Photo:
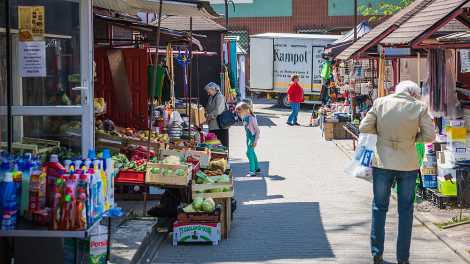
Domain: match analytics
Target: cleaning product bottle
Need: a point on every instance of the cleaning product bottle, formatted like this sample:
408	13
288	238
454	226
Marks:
68	215
67	164
7	190
18	181
97	192
109	176
81	217
92	154
25	187
105	185
87	164
73	183
9	215
56	211
53	171
4	169
77	163
98	163
71	170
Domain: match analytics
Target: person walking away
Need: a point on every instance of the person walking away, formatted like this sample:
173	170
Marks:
252	136
399	121
216	106
296	96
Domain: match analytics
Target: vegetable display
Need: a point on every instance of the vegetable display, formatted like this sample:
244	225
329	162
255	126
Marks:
208	205
214	173
224	178
197	203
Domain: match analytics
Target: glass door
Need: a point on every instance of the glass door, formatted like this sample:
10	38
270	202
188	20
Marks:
51	73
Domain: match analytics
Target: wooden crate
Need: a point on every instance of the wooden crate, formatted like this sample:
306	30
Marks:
171	150
200	187
193	144
109	142
135	142
172	179
49	145
226	218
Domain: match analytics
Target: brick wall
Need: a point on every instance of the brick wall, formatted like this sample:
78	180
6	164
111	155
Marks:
304	12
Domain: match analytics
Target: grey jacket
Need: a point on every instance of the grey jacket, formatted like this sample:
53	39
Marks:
215	106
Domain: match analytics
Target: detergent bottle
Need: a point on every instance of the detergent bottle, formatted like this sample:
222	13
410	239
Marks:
98	193
4	168
18	181
9	215
77	163
73	183
56	211
53	171
67	164
109	176
68	214
25	187
7	190
81	216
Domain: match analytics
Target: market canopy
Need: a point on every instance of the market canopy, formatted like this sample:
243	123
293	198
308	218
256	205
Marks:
188	8
382	30
346	41
183	23
426	22
456	38
166	35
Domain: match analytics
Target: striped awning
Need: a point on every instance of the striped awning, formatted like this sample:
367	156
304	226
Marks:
188	8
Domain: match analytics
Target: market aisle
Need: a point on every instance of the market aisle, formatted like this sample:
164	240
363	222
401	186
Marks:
302	207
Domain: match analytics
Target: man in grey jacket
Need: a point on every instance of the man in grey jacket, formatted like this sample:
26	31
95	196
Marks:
399	121
216	106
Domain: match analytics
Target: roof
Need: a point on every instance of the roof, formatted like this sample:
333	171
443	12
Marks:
296	36
382	30
182	23
362	29
189	8
433	16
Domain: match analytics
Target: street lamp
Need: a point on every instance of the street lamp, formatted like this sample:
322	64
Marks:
226	11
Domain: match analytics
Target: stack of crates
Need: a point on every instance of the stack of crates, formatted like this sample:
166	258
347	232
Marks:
456	138
429	173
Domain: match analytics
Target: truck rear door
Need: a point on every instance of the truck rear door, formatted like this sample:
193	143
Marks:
261	63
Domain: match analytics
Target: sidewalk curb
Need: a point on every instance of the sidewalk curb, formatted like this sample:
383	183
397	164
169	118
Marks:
449	242
151	251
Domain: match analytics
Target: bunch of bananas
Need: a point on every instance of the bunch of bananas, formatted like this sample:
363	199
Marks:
100	105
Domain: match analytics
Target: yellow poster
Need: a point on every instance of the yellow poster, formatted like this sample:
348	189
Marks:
31	23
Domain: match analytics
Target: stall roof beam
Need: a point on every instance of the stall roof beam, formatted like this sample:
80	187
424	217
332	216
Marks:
188	8
425	23
381	31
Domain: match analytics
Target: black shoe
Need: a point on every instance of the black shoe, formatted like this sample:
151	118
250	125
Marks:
404	262
258	170
290	124
296	124
378	260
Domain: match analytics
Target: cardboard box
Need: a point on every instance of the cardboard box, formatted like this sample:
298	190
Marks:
441	158
328	130
194	115
37	190
203	157
196	217
196	232
94	249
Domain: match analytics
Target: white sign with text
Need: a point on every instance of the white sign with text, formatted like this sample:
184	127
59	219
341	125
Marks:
32	59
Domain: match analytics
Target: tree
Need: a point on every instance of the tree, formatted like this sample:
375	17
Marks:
383	9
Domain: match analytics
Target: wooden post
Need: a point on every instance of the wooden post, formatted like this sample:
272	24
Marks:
355	20
151	99
190	85
419	69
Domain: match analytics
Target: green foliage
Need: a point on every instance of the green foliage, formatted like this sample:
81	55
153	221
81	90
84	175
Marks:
456	219
62	153
383	9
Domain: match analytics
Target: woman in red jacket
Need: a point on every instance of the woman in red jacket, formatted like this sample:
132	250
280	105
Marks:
296	96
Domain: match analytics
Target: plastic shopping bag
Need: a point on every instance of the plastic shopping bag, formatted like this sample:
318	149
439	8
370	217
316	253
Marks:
360	166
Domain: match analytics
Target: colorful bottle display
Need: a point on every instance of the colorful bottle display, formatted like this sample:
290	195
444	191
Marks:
81	217
109	176
7	195
9	215
56	211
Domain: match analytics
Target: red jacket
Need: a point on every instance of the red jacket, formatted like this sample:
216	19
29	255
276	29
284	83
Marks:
296	93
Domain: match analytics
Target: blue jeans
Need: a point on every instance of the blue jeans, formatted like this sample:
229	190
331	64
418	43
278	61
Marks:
295	112
383	180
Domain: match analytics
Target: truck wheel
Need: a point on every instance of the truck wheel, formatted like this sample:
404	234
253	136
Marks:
283	101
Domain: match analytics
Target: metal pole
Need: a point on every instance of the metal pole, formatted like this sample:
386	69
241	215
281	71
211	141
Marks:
355	20
190	72
197	76
9	78
226	14
151	100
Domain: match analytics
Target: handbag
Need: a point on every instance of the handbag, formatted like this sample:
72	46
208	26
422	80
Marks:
226	119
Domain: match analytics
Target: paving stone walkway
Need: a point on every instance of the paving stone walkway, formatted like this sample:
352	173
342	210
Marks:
302	208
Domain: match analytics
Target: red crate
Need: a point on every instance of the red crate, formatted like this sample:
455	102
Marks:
130	176
196	165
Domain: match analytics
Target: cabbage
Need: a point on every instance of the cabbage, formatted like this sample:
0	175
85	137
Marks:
189	209
208	180
209	205
197	203
224	178
174	160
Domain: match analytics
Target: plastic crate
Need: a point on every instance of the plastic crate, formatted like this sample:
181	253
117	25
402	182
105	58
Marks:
447	187
130	176
430	181
196	165
456	133
438	199
429	171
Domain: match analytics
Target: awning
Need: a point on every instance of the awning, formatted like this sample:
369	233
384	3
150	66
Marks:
459	37
425	23
188	8
166	35
362	29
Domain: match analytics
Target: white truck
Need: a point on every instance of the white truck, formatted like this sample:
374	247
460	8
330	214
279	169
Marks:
274	57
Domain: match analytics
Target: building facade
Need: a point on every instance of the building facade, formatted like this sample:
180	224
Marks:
253	17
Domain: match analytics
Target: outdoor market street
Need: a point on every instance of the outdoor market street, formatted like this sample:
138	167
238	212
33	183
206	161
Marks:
301	207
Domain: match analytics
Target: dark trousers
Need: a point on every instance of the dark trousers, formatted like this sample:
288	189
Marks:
222	135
